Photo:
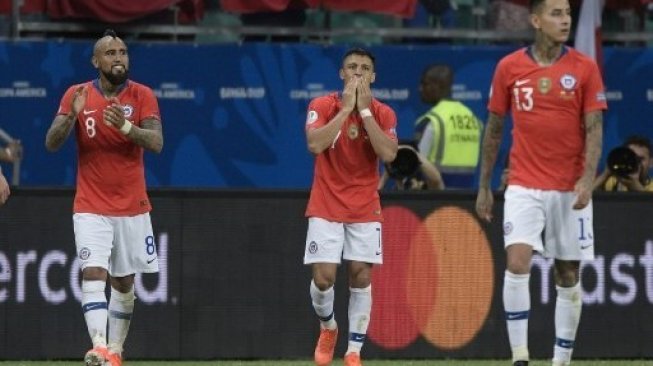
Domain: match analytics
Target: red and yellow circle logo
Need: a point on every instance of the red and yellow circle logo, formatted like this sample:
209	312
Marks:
437	279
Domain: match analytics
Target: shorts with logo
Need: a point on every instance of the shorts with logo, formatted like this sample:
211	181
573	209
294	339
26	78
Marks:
568	233
329	242
123	245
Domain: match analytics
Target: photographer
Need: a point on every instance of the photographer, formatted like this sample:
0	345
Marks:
411	171
627	168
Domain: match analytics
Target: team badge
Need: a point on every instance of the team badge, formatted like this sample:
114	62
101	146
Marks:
568	82
128	109
544	85
84	253
312	247
311	117
352	132
507	228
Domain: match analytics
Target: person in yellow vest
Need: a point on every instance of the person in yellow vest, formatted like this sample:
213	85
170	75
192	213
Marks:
637	180
449	134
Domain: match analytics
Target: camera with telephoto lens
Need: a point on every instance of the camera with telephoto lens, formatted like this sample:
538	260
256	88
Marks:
405	164
623	162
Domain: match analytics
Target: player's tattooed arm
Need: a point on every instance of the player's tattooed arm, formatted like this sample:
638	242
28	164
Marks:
149	136
59	131
593	142
490	148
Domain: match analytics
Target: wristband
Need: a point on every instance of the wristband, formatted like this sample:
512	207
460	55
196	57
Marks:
126	127
365	113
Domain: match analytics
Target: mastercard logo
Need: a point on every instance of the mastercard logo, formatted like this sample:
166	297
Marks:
436	281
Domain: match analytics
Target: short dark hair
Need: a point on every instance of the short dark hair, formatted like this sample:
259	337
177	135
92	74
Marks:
110	33
360	52
639	140
535	5
440	72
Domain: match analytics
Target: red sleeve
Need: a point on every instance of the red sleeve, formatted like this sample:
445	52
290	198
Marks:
499	101
593	90
318	113
387	120
149	105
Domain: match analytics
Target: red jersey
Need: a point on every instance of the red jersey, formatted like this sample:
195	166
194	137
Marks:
547	104
347	173
110	171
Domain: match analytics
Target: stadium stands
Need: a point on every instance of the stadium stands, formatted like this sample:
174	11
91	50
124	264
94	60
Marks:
323	21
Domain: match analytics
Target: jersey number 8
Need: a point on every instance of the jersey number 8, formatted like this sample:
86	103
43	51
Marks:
90	126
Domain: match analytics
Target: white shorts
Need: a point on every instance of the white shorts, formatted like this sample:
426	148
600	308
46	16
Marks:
123	245
328	242
568	233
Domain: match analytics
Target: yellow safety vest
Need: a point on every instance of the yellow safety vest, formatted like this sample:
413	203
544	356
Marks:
456	137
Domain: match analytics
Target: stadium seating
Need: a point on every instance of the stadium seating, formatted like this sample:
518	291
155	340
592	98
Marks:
625	22
227	22
359	21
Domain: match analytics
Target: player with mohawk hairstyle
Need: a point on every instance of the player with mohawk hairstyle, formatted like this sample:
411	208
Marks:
115	119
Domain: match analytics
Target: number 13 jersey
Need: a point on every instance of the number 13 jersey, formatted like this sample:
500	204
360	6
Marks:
547	104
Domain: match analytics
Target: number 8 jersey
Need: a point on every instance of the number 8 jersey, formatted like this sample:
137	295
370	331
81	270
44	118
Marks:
547	104
110	171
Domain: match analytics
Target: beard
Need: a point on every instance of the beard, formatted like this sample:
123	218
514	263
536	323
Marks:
116	79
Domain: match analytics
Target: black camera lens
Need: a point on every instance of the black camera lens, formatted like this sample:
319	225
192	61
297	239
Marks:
405	164
622	161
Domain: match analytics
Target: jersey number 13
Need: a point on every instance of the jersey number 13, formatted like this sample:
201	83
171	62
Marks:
523	98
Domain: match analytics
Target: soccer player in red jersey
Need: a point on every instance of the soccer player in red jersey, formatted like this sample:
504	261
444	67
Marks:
348	133
556	98
114	119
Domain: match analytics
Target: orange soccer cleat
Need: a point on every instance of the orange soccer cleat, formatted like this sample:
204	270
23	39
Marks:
115	359
96	356
353	359
325	346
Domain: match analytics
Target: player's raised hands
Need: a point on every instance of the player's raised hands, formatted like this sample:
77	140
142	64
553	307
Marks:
349	95
79	100
114	114
364	98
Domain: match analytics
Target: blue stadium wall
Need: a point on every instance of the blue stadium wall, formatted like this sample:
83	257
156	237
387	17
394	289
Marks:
232	284
234	114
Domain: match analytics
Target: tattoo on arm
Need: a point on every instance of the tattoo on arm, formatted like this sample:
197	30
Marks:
593	142
149	136
490	148
59	131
